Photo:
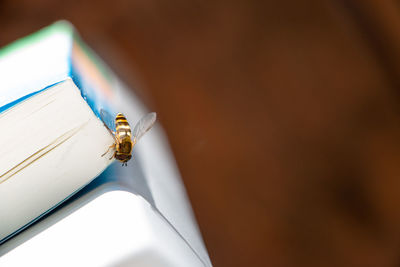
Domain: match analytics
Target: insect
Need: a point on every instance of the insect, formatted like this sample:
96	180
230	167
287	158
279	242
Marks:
125	140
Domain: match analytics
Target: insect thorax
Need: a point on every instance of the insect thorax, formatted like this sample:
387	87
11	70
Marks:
124	146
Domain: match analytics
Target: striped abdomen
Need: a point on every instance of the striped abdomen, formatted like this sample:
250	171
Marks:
123	135
121	125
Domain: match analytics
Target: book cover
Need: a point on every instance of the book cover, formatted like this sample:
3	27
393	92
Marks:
45	61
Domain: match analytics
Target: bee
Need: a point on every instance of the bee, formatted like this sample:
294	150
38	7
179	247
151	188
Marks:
124	138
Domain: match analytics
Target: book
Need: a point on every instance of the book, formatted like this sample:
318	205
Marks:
52	91
105	224
135	215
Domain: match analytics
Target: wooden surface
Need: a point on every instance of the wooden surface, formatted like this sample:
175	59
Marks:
283	116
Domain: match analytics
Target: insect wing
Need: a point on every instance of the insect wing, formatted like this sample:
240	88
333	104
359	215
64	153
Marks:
107	119
144	125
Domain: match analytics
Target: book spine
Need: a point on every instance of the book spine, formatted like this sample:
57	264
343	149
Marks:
93	78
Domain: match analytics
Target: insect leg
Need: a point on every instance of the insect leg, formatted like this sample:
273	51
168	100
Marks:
113	155
112	146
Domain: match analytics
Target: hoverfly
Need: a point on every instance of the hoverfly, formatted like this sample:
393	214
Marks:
125	140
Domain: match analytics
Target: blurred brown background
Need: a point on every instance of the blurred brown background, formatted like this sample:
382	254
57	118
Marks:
283	116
